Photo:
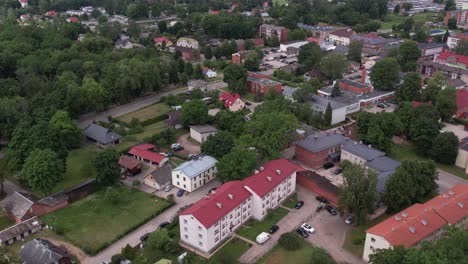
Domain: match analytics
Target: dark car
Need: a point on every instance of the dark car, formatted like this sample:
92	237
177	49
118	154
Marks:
248	103
163	224
328	165
273	229
338	171
321	199
144	237
299	204
180	193
302	232
331	209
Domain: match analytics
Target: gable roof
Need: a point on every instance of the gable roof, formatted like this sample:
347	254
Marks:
343	33
452	205
143	151
101	134
459	58
41	251
161	40
162	175
20	228
270	176
174	118
19	203
196	165
384	163
128	162
364	151
316	143
202	129
209	210
229	98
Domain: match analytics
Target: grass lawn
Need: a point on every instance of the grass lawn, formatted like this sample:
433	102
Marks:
253	228
279	2
176	160
5	221
279	255
291	201
404	152
358	236
103	217
393	19
146	113
232	250
148	131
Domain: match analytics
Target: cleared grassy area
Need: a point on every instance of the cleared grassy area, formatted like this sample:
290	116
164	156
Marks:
404	152
103	217
279	2
148	131
232	250
146	113
253	228
356	236
291	201
393	19
5	221
279	255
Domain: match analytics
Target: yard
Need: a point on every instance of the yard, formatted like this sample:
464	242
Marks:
291	201
5	221
148	131
105	216
404	152
393	19
146	113
231	251
279	255
279	2
253	228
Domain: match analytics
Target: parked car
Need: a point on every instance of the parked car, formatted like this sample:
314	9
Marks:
320	207
163	224
263	237
349	220
382	105
166	154
248	103
321	199
331	209
338	171
168	188
308	228
302	232
273	229
175	145
328	165
180	193
299	204
144	237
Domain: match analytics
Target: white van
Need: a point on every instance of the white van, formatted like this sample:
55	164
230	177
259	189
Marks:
263	237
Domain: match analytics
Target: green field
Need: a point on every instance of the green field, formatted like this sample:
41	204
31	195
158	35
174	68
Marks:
101	218
5	221
279	255
146	113
291	201
133	139
79	167
252	228
393	19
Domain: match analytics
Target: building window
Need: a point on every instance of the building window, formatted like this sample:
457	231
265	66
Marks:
372	248
185	187
178	183
200	243
186	229
185	221
200	236
216	239
186	236
372	239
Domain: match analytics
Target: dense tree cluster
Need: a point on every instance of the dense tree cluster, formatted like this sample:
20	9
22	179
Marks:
378	129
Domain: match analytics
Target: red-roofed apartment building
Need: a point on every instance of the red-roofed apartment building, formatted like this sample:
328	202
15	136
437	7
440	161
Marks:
143	152
420	222
232	101
211	220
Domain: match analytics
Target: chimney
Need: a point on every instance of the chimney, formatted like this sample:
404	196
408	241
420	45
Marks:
315	137
278	171
370	146
424	222
360	142
261	168
231	196
256	172
213	192
269	178
363	75
219	205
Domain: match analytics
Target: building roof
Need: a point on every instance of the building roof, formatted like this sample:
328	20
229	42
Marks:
315	28
415	104
363	151
262	81
19	203
452	205
288	90
144	151
461	35
343	33
463	144
462	100
270	175
203	129
161	40
323	102
430	45
196	165
101	134
382	179
174	118
128	162
54	199
162	175
316	143
459	58
229	98
354	84
441	66
410	226
21	228
384	163
39	251
321	181
212	208
272	27
370	38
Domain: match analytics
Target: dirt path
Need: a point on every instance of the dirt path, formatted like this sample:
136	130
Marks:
189	147
73	250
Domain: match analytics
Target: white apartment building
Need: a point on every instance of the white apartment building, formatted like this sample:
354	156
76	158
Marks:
462	4
341	36
211	220
121	19
194	173
187	43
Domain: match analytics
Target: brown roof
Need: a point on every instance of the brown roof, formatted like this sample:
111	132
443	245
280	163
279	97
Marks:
344	32
128	162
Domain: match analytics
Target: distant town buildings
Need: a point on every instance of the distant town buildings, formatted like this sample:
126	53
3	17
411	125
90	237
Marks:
271	31
187	43
341	36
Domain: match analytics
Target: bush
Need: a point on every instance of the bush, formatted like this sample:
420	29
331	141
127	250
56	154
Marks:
154	120
136	183
290	241
359	240
170	198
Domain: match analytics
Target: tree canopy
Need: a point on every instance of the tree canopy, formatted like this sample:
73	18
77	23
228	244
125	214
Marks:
107	167
194	112
385	74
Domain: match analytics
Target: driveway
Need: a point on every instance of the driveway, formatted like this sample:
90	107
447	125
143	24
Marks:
447	181
133	239
458	130
189	146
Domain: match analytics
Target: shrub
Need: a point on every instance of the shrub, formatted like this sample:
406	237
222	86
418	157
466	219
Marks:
290	241
170	198
359	240
154	120
136	183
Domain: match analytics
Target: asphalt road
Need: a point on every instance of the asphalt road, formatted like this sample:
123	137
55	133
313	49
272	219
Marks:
447	181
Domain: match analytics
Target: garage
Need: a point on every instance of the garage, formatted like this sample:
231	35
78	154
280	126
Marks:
319	185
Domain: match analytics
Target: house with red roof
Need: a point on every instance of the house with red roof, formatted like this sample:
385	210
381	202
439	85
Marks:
452	59
72	20
23	3
420	222
129	165
212	220
232	101
145	153
462	104
158	42
51	13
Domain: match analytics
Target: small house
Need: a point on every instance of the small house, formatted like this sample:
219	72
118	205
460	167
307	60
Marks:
173	120
145	153
209	73
201	133
129	165
103	137
41	251
20	231
158	42
232	101
159	178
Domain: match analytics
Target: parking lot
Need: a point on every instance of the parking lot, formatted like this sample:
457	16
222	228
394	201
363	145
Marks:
336	179
375	109
277	59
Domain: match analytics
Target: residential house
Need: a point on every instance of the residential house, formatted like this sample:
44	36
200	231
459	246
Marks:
271	31
261	84
452	59
314	73
292	44
201	133
431	49
73	20
91	24
75	12
316	150
194	173
341	36
51	13
158	42
145	153
209	73
121	19
290	68
20	231
372	41
101	136
159	178
25	17
201	85
232	101
214	218
123	44
454	39
173	120
462	104
288	92
42	251
461	17
187	43
129	166
462	157
320	104
240	57
188	54
420	222
453	66
319	32
21	206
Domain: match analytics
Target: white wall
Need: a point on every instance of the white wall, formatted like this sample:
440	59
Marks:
182	181
338	115
374	242
346	155
284	47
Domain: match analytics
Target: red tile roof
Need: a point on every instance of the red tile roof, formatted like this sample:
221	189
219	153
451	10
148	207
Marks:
161	40
128	162
410	226
460	58
415	104
343	33
210	210
144	152
24	1
270	175
462	36
73	20
462	103
51	13
311	39
452	205
229	98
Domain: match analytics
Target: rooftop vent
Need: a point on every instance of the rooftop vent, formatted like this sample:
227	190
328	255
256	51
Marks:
213	192
257	172
231	196
219	205
269	178
412	229
278	171
370	146
445	195
261	168
424	222
207	197
355	143
460	204
404	214
397	218
315	136
451	192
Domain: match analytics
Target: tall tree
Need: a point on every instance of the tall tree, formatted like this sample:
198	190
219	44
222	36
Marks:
445	148
69	133
355	51
434	86
107	167
446	103
334	65
219	144
328	115
385	74
424	127
408	55
194	112
236	165
462	47
309	56
450	5
411	87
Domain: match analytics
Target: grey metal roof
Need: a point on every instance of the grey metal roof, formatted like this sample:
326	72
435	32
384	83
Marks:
41	251
322	101
18	204
383	164
163	175
288	90
21	228
322	142
430	45
101	134
197	165
204	129
362	150
382	179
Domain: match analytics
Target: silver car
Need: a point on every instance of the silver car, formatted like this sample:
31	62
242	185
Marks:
168	188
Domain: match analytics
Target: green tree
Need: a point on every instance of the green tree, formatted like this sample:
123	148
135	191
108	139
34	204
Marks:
450	5
42	170
412	182
462	47
376	137
434	86
446	103
385	74
290	241
309	56
396	9
234	73
69	133
424	127
236	165
411	87
358	193
394	255
409	53
107	167
162	26
334	65
407	6
452	23
219	144
355	51
252	63
336	91
159	243
231	121
194	112
197	72
327	117
445	148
